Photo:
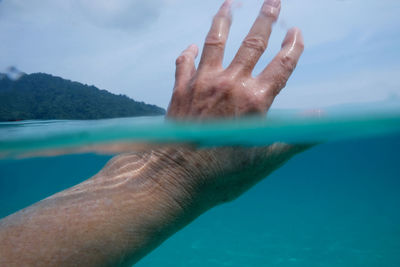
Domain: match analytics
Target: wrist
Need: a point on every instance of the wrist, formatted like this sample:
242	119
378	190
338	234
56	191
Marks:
182	175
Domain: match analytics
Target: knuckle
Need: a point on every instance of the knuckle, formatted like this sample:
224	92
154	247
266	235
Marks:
206	89
270	12
215	40
178	60
288	63
182	58
256	103
252	104
255	42
225	82
198	84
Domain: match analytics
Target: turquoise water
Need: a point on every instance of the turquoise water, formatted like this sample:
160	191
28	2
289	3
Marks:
32	138
337	204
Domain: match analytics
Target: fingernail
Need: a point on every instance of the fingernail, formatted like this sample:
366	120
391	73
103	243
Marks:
228	2
194	48
226	6
273	3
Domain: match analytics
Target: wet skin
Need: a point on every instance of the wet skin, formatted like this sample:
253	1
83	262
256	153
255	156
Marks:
139	199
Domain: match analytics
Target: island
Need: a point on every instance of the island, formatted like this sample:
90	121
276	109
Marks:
40	96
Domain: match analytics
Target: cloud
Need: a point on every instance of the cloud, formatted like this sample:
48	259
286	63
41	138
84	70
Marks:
119	14
122	14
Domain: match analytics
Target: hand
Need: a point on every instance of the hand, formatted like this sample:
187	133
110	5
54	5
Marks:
212	92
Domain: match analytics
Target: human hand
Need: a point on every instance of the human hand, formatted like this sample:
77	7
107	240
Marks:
212	91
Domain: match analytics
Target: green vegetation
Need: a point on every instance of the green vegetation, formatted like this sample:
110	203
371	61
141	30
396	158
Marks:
42	96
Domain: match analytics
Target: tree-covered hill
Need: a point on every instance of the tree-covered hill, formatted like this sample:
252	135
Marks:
42	96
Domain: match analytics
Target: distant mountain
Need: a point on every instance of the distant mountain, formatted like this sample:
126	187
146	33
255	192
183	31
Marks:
41	96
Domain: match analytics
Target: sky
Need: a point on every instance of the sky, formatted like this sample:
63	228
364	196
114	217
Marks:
129	47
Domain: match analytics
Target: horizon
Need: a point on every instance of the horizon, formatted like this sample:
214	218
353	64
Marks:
392	102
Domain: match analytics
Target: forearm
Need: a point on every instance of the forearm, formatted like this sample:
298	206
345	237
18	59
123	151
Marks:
118	216
132	205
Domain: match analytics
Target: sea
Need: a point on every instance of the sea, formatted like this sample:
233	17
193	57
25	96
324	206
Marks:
336	204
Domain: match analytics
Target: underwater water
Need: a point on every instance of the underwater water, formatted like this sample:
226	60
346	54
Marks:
337	204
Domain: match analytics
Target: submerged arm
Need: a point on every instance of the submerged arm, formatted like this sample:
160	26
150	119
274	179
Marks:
136	202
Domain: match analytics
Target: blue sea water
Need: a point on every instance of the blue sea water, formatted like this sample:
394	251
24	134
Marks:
337	204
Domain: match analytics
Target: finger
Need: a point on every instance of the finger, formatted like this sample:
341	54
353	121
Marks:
185	67
256	41
214	46
281	67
